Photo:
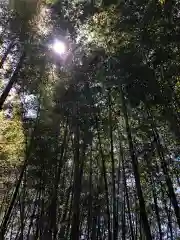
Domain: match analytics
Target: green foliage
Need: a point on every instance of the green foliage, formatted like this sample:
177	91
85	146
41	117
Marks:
101	30
51	1
12	144
101	159
25	10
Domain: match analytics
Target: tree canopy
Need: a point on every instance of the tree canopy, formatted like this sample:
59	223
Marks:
89	134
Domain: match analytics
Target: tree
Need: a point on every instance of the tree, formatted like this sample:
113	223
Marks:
102	151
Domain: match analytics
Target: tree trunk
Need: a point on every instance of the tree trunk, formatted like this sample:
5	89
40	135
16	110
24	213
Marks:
154	195
136	173
164	167
89	219
115	222
105	179
53	207
167	212
7	215
11	82
78	173
127	195
123	218
3	59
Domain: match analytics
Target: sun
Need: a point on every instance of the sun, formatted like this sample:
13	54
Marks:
59	47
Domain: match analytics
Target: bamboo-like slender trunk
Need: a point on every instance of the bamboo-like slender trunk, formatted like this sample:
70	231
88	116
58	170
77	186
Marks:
143	213
3	59
38	195
69	219
126	194
115	222
4	223
78	174
53	207
89	218
105	179
123	218
65	212
167	212
154	196
12	81
164	167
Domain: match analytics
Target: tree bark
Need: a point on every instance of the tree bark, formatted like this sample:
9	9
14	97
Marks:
115	222
105	179
143	213
11	82
164	167
3	59
78	173
127	195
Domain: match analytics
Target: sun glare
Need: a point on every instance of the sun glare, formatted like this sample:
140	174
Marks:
59	47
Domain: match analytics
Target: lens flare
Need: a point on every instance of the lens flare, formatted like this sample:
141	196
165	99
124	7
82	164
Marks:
59	47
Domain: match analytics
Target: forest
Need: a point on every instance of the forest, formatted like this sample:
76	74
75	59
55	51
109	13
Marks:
89	120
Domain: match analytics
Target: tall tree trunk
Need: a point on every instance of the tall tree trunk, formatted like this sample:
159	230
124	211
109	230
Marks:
105	179
61	234
126	193
53	206
99	227
123	218
3	59
143	213
154	196
94	224
164	167
89	219
156	209
7	215
11	82
136	217
115	222
22	207
119	190
69	218
78	173
37	198
76	197
167	212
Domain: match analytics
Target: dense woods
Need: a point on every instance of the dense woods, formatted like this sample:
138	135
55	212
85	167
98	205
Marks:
90	134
